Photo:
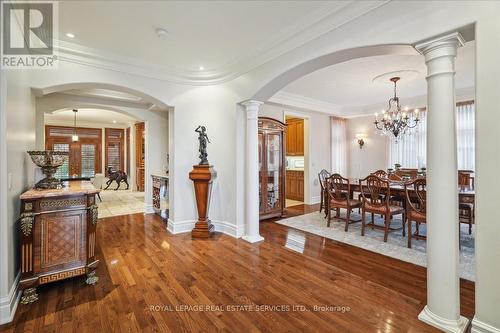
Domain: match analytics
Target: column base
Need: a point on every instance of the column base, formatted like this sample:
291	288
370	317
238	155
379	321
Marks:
253	239
446	325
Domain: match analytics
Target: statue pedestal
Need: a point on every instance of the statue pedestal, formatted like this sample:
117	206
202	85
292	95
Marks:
202	177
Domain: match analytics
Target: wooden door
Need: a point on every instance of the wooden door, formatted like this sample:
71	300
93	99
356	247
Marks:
114	148
299	138
291	141
84	155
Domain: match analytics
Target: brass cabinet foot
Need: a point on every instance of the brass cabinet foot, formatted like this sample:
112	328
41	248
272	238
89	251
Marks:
29	296
91	278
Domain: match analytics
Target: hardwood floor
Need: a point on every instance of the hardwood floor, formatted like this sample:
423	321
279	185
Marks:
145	272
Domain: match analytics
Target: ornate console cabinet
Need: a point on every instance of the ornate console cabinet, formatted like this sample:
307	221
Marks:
58	236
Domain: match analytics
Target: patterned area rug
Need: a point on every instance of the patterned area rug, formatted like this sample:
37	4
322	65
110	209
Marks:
396	246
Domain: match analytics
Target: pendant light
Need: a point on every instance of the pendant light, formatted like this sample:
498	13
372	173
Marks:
74	137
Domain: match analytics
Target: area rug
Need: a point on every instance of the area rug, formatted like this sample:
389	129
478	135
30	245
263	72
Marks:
396	246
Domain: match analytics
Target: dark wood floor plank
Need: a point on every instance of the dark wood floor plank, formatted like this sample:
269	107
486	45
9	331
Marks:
147	274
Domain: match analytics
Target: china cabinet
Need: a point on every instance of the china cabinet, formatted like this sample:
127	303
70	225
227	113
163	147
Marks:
271	167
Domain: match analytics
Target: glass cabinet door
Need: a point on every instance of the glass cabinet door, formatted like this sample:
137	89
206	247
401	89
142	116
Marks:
274	169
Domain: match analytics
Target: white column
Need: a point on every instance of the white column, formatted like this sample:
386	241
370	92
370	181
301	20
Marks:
252	173
443	283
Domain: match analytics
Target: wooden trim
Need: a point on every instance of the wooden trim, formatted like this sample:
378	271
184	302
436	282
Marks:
107	140
127	144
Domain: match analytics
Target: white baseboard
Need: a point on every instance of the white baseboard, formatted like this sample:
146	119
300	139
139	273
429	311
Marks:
445	325
315	200
188	225
148	209
8	304
480	327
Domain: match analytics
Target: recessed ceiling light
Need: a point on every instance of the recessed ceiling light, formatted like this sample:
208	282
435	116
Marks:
161	32
201	68
114	121
70	35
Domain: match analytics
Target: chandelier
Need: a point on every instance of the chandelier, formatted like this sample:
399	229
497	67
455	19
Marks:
393	120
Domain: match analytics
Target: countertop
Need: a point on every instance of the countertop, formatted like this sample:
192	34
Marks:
75	187
294	169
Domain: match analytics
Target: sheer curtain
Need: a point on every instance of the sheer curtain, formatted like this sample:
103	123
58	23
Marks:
339	145
466	145
410	151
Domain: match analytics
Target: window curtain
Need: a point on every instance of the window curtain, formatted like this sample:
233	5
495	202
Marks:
466	143
410	150
339	146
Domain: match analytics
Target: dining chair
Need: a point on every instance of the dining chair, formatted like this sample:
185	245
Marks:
323	175
416	207
466	210
396	199
379	173
376	193
339	190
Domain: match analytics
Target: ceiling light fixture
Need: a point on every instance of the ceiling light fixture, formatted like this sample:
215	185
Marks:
161	32
74	137
70	35
114	121
201	68
394	121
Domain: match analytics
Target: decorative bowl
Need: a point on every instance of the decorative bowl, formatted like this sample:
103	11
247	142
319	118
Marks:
48	161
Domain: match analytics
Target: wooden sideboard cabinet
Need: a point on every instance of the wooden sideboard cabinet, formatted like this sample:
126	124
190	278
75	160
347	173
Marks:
57	236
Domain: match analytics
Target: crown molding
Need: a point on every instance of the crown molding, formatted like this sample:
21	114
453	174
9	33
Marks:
303	102
325	20
310	104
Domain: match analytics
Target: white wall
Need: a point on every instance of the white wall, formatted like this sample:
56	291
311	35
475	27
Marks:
318	149
373	155
18	117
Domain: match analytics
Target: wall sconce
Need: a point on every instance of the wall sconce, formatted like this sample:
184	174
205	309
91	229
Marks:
361	139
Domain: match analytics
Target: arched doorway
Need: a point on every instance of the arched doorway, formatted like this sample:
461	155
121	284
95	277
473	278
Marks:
123	109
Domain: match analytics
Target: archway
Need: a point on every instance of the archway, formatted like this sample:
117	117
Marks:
124	101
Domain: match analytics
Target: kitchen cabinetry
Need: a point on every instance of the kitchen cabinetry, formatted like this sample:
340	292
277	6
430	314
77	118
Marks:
295	185
271	167
295	137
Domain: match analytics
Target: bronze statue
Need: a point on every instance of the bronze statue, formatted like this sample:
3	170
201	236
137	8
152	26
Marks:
203	139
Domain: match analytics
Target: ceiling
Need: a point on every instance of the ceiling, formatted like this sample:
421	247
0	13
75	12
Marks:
205	39
89	116
351	84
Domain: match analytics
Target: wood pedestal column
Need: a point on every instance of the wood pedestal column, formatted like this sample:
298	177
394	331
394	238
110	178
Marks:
202	177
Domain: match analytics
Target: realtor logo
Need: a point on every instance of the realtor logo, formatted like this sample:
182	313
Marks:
28	34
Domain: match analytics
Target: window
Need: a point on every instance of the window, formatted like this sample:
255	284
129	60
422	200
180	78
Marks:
88	160
411	152
63	170
114	148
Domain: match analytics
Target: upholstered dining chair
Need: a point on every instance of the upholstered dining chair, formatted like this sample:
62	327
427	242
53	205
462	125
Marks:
339	189
323	175
416	207
376	194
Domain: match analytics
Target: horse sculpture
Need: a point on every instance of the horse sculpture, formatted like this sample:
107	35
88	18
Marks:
117	176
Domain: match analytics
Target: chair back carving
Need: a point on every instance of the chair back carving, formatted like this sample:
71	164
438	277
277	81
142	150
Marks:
323	175
375	191
465	178
338	188
417	198
380	173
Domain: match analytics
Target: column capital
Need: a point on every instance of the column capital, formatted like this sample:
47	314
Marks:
440	46
252	108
